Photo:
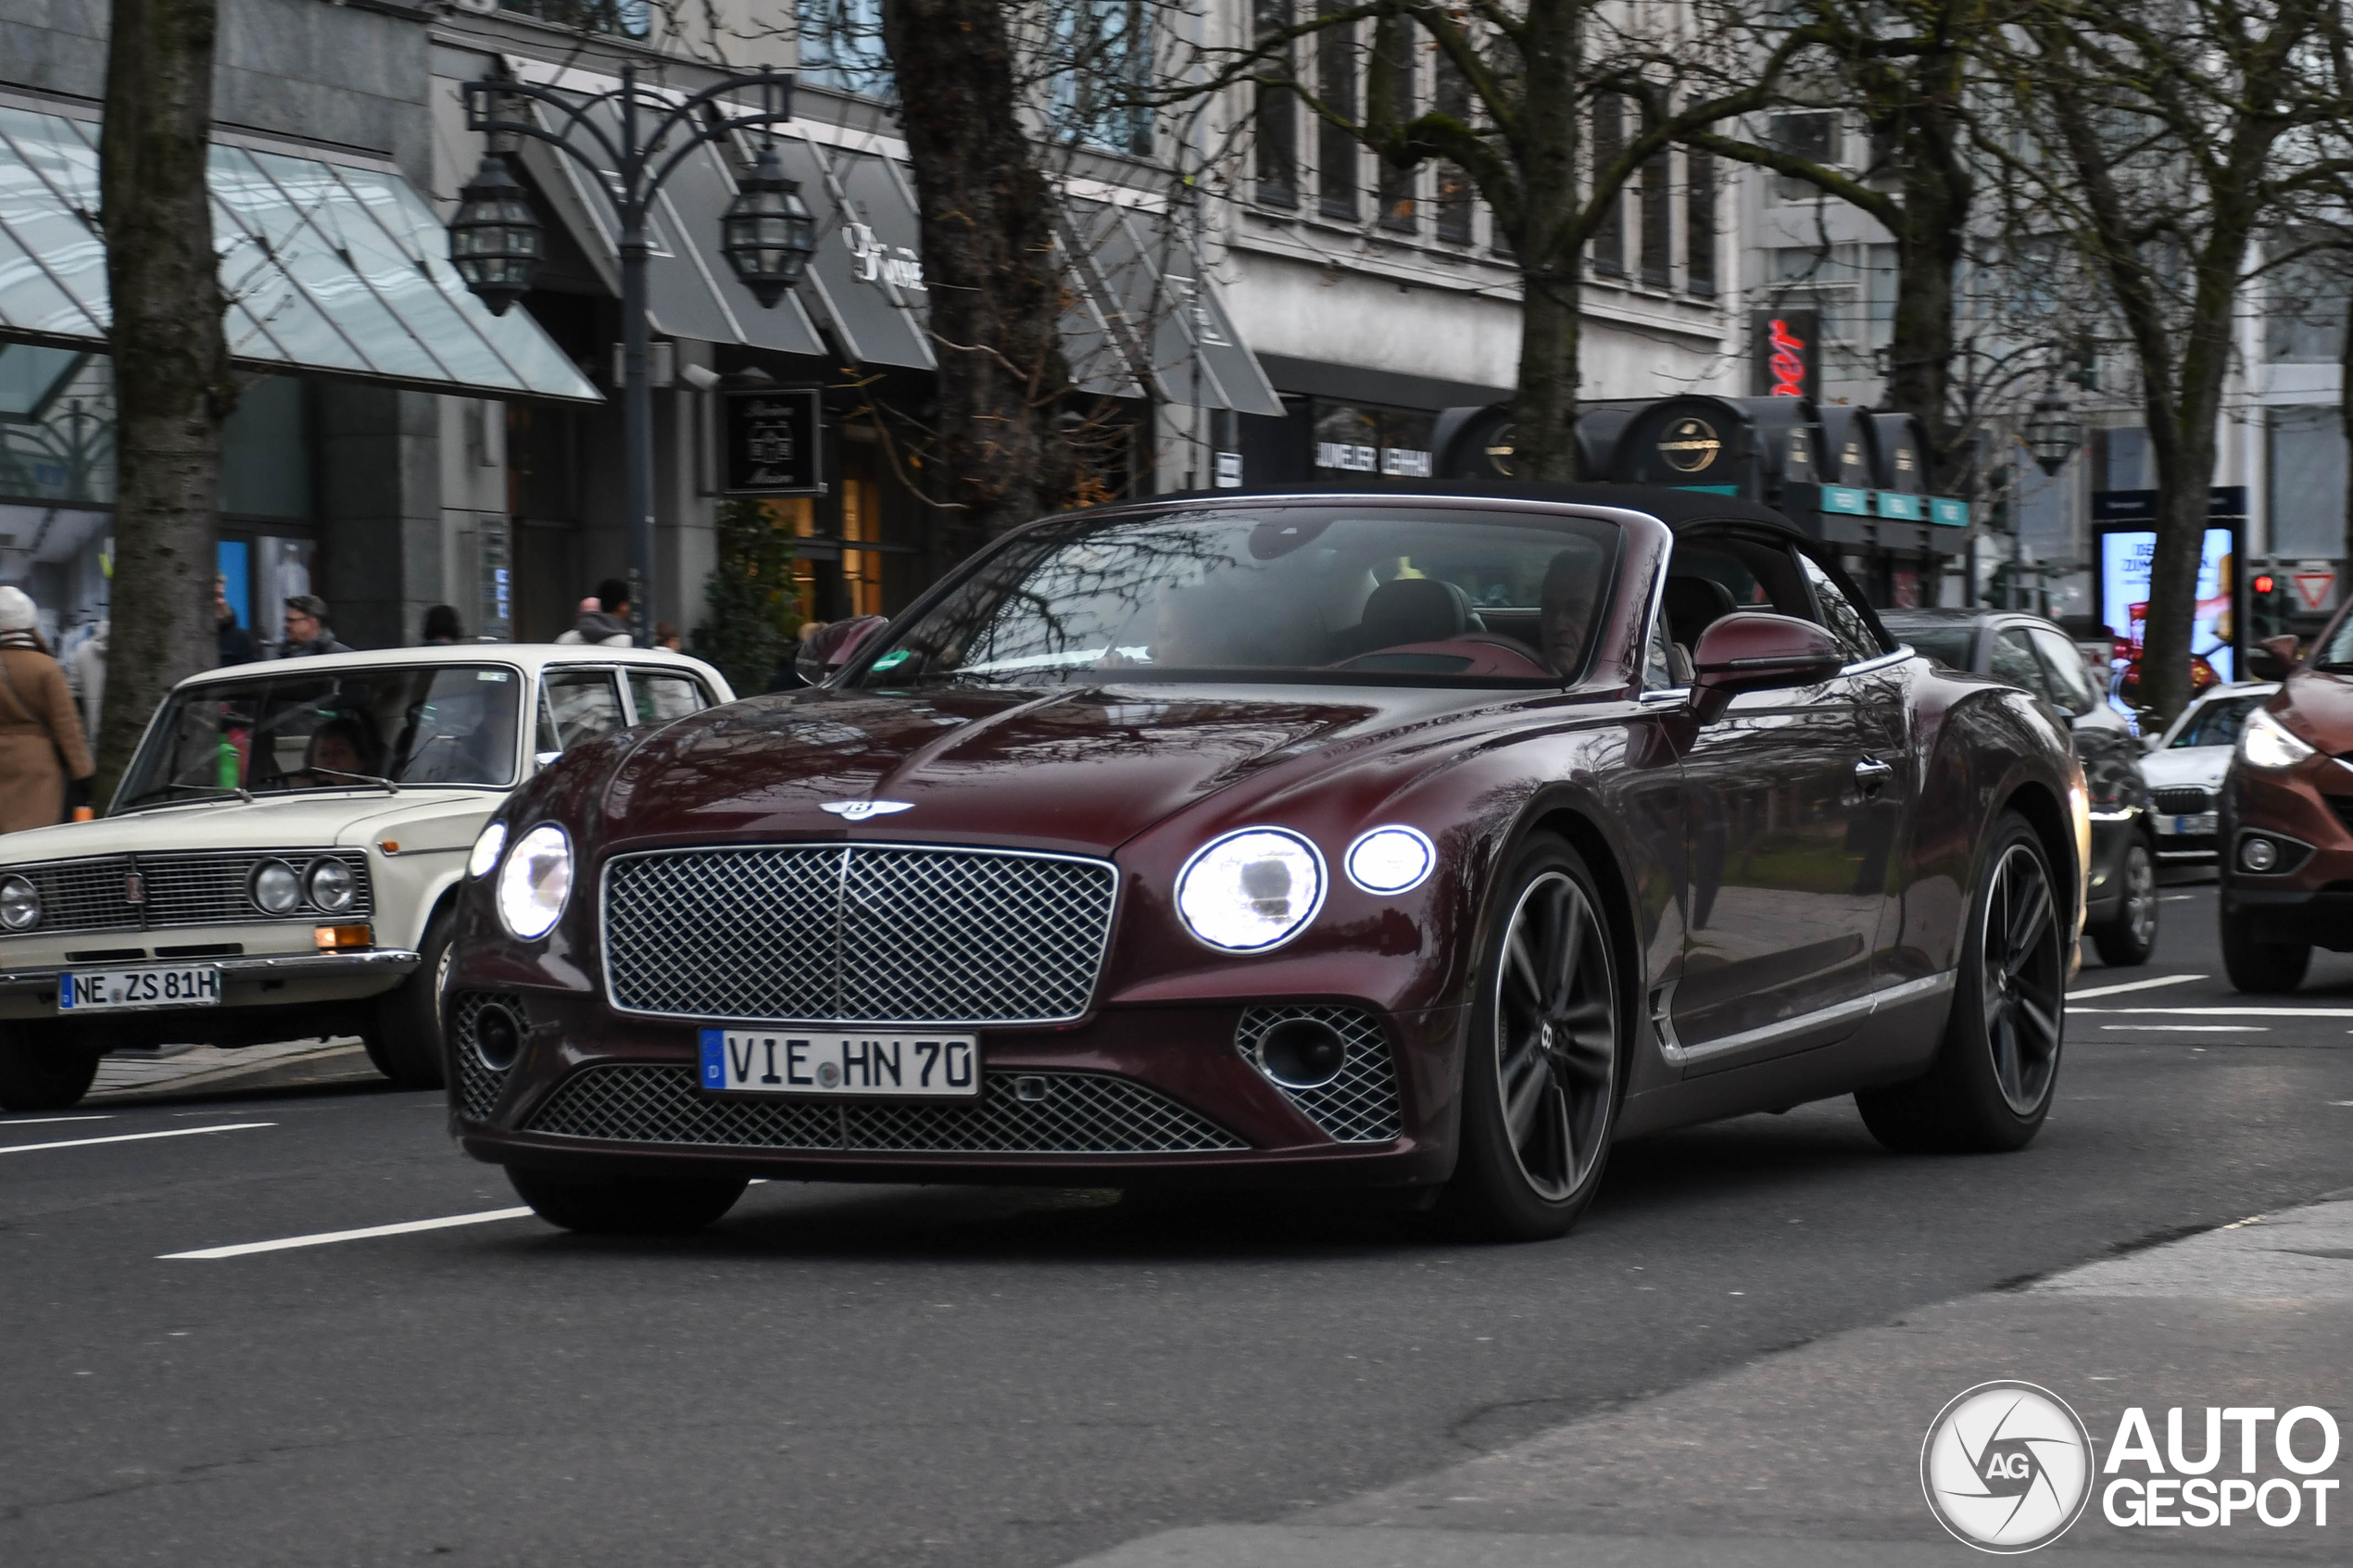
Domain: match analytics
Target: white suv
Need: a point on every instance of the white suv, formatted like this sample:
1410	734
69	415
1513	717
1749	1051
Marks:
281	858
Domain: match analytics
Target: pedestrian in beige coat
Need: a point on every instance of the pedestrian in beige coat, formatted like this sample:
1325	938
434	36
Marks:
41	742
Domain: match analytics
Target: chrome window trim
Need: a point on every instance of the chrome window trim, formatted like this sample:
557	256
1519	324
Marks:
1678	1054
1883	662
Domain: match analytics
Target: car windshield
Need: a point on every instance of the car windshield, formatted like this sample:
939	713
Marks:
305	729
1322	593
1948	645
2216	722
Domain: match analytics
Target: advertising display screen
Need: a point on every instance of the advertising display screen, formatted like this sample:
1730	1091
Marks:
2124	595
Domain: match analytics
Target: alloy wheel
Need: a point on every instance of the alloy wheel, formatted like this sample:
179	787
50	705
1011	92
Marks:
1556	1035
2140	898
2021	971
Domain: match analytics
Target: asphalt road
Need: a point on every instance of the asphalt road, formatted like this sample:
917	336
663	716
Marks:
840	1375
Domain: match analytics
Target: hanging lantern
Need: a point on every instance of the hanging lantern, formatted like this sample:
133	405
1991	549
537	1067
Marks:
493	240
2053	432
767	233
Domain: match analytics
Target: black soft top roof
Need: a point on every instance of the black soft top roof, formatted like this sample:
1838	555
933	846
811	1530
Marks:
1676	508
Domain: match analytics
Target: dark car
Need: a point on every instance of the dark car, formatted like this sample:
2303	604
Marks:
2286	816
1416	840
2032	654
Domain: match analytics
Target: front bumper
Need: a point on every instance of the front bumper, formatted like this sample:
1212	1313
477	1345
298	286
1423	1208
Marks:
2306	811
333	991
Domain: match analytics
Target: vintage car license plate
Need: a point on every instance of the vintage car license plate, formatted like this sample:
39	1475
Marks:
865	1065
189	986
2201	822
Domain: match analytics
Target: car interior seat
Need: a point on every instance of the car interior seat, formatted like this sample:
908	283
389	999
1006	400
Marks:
1413	609
1692	605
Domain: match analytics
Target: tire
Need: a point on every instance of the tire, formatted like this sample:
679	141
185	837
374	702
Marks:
2261	966
1544	1070
1997	1069
46	1075
2127	940
628	1206
406	1041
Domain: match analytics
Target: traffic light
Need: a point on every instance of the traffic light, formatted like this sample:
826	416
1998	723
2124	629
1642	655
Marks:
2270	602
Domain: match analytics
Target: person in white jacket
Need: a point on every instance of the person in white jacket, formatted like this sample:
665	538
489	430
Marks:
604	617
86	673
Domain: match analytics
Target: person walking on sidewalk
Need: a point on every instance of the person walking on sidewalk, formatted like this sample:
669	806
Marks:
307	630
234	643
86	676
604	619
44	762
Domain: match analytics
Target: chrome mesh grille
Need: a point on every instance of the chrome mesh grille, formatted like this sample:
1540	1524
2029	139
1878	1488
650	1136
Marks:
197	888
1359	1105
1069	1113
2183	800
84	895
478	1084
856	934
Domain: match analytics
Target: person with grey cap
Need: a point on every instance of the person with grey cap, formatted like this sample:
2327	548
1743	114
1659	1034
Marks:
44	761
307	630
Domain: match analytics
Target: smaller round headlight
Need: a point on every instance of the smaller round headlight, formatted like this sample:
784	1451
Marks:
276	889
487	848
1390	860
332	886
19	904
536	883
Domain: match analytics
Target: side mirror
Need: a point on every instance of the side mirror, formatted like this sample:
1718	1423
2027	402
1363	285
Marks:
2272	658
1755	650
834	646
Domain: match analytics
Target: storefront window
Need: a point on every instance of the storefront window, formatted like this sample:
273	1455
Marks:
57	424
1353	438
265	452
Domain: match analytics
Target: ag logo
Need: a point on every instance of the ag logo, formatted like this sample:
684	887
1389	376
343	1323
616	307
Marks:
2006	1467
1689	444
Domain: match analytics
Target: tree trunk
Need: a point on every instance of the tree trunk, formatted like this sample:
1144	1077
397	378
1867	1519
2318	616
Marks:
172	386
2345	423
1931	245
1547	239
998	455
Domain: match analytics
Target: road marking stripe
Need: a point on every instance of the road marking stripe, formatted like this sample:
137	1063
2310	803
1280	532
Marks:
135	1137
322	1238
2134	985
2189	1028
2222	1013
44	1121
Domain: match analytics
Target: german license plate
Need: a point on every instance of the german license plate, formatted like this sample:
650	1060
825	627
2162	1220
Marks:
99	990
2202	822
801	1061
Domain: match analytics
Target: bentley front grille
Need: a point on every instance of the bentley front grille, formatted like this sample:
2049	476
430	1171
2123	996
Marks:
206	887
856	934
1360	1105
1067	1114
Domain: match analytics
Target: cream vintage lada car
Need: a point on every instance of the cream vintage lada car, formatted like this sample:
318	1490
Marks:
280	859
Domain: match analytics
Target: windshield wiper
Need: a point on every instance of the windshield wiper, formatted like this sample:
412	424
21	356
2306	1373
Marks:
238	790
363	778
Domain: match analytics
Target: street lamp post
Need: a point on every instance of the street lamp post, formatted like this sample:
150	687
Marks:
2052	434
767	233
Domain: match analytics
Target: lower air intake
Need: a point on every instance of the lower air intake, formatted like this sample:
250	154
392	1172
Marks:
478	1083
1360	1104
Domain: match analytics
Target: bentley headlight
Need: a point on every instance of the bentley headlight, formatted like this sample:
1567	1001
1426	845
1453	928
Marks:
276	890
332	886
1390	860
487	848
20	903
535	882
1250	890
2264	742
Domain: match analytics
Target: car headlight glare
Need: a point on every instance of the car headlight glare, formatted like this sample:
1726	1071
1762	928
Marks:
19	904
1390	860
485	850
2264	742
1250	890
535	882
332	886
276	889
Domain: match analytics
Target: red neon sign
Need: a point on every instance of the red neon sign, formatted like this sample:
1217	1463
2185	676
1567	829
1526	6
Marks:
1787	365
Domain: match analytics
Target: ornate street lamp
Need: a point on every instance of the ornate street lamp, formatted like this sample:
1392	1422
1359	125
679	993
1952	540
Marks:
2053	432
766	233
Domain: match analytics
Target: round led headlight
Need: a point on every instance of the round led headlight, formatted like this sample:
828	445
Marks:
276	890
332	886
535	882
20	903
485	850
1250	890
1390	860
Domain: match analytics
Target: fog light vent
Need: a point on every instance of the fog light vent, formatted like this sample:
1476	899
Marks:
1332	1063
2258	854
487	1031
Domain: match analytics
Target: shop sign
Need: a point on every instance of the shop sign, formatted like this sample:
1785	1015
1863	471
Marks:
771	442
1846	500
879	263
1785	351
2140	506
1894	504
1690	446
1952	514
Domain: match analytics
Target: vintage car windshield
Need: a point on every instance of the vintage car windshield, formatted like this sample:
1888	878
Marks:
1395	594
300	728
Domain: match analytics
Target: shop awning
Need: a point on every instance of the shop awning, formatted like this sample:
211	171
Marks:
338	267
1162	311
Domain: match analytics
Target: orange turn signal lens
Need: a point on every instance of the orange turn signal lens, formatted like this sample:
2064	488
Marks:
335	938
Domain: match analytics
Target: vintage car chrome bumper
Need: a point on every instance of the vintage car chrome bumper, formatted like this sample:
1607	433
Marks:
290	966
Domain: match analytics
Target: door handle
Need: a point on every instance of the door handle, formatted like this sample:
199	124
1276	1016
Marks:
1870	772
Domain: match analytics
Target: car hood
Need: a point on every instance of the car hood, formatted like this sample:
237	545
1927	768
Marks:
2176	766
1078	768
2318	707
415	818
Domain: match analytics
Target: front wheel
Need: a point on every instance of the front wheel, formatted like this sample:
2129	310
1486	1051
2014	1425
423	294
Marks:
628	1206
47	1075
1995	1075
2130	936
1541	1079
2261	966
405	1041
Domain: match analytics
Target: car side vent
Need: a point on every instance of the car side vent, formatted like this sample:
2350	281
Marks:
486	1034
1332	1063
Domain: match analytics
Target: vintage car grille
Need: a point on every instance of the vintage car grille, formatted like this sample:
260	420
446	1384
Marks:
863	934
479	1084
1018	1113
1360	1106
192	889
2182	800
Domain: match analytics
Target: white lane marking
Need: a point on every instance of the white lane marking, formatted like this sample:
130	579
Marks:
44	1121
324	1237
137	1137
2189	1028
2222	1013
2133	986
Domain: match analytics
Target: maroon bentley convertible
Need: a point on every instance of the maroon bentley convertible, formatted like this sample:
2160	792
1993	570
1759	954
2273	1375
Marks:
1414	840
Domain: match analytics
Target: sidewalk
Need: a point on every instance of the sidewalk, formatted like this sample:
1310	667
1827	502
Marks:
139	1077
1810	1459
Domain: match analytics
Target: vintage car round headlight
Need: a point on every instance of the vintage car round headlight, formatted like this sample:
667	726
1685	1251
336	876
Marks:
276	890
19	904
1390	860
486	851
535	882
1250	890
332	886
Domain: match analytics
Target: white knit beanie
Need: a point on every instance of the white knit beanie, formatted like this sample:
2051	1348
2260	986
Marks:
17	613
